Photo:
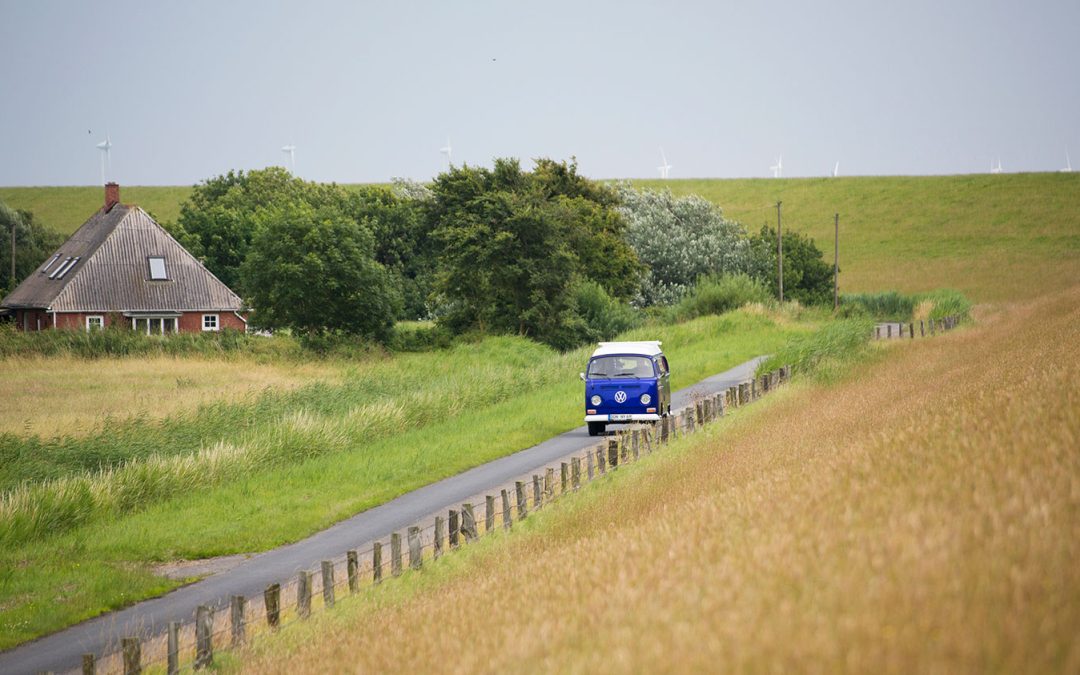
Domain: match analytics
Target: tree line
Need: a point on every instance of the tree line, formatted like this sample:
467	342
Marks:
546	253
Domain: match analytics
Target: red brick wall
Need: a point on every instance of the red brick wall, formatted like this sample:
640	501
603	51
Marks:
189	322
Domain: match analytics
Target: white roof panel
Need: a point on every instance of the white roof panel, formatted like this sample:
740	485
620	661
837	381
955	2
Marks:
647	348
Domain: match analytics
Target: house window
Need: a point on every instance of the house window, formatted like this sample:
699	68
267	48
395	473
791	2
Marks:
209	321
95	323
157	269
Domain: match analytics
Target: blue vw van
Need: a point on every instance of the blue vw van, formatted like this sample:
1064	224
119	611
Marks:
626	382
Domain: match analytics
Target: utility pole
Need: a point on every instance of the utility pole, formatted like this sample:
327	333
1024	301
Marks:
836	265
13	222
779	251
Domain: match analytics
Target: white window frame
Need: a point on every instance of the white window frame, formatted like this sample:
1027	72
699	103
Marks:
164	272
100	319
216	321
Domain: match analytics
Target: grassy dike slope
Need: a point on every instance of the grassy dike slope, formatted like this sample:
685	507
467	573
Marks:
920	515
994	237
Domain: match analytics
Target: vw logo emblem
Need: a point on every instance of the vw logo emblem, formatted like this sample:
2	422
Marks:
620	397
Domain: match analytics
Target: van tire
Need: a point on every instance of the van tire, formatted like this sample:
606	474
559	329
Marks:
597	428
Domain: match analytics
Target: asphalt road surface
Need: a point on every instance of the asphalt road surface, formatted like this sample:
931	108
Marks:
62	651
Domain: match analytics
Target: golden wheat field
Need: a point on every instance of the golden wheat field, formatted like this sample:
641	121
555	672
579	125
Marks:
921	515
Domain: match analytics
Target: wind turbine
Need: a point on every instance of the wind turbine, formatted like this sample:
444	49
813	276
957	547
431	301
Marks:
290	150
778	168
1068	164
105	146
836	170
665	167
996	168
448	151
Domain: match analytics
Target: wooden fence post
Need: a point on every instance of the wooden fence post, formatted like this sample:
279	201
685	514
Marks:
132	655
303	594
172	649
468	522
911	330
888	330
922	328
635	442
453	528
519	489
272	602
590	466
489	513
328	583
395	554
376	563
575	472
236	619
88	664
505	510
549	483
564	474
624	450
664	421
613	454
204	637
440	532
352	570
601	460
416	552
538	500
699	413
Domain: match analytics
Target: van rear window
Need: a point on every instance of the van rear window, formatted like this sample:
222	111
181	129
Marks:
614	367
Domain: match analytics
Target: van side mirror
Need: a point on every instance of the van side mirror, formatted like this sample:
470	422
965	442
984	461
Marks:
582	376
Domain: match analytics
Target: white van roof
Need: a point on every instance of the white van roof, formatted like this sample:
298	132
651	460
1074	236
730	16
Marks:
646	348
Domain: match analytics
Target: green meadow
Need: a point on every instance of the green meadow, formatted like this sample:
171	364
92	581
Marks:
281	466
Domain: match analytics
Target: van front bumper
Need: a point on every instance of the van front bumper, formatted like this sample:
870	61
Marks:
636	417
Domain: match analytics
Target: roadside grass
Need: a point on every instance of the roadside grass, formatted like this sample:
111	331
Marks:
919	514
104	562
993	237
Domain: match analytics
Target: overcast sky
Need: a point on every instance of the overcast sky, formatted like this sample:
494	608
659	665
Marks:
372	90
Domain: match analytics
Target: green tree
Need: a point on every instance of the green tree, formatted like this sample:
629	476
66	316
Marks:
807	277
220	219
680	239
513	245
34	243
313	270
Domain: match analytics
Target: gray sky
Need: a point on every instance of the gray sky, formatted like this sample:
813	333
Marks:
372	90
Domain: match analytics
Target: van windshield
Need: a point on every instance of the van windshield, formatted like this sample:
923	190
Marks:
612	367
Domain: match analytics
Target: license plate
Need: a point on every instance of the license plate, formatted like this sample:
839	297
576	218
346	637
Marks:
620	418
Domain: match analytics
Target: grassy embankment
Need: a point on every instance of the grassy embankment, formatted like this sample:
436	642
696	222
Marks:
252	475
919	514
64	209
994	237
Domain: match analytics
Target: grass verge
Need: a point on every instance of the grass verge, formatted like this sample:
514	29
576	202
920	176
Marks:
103	562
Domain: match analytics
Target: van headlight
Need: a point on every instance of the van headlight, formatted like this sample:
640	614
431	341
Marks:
595	400
646	399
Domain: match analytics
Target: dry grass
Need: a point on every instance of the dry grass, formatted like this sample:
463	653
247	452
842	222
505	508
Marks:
924	515
72	396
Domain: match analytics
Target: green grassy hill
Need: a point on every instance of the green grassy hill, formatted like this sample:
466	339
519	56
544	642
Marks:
66	208
995	237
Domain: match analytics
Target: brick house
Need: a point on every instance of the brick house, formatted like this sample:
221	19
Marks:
122	268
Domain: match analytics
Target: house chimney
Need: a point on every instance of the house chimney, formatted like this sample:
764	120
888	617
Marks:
112	195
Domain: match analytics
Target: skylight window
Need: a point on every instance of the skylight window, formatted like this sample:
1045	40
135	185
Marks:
66	267
59	271
157	269
50	263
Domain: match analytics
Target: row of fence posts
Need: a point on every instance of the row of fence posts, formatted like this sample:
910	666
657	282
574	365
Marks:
926	327
460	525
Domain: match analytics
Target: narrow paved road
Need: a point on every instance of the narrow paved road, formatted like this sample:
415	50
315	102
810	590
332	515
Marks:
63	651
